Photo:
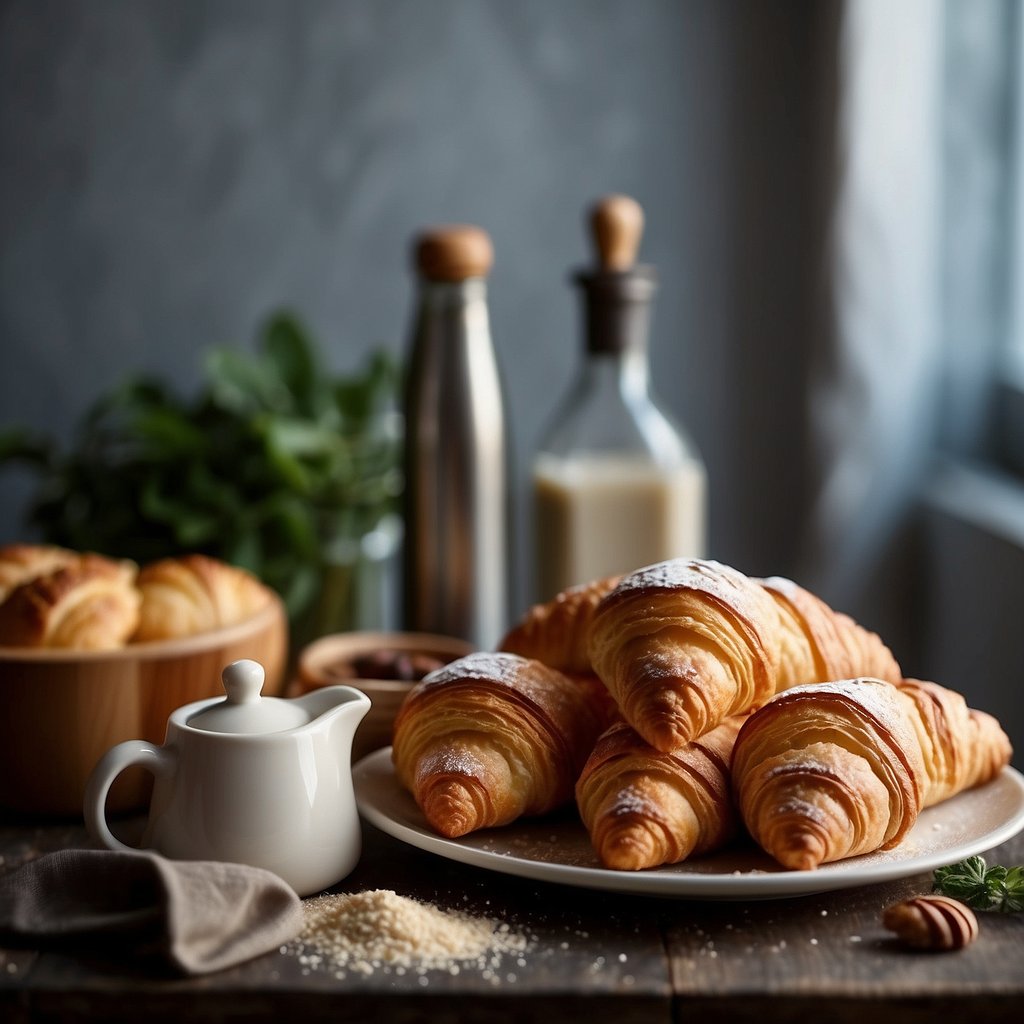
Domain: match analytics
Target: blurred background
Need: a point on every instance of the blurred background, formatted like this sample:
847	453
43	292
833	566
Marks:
832	203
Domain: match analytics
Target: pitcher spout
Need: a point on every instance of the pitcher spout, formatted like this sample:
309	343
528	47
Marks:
342	704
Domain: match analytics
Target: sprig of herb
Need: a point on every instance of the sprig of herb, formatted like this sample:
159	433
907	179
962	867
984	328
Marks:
981	887
269	465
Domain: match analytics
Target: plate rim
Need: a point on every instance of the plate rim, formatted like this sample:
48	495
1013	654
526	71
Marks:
673	883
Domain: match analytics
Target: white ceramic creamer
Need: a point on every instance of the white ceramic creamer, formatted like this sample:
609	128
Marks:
249	779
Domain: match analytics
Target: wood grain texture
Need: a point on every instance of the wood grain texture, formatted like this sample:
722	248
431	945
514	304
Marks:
598	955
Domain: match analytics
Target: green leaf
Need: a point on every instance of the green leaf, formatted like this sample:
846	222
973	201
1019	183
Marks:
20	446
293	359
982	887
243	385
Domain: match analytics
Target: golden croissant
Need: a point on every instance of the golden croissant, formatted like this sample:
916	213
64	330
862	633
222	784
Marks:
193	594
556	631
643	808
682	645
492	737
840	769
88	604
20	563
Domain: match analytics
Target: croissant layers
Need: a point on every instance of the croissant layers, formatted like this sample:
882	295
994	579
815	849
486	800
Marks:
843	768
643	808
684	644
492	737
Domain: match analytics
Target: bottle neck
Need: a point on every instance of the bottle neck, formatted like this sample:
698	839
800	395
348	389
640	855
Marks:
623	374
616	326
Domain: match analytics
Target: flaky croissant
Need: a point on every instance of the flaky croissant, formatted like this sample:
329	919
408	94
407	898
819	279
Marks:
839	769
684	644
556	631
20	563
492	737
643	808
193	594
88	604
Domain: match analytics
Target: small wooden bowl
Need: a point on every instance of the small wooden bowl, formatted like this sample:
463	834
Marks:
63	710
317	660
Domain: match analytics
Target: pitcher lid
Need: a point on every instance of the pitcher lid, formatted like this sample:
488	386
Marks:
244	710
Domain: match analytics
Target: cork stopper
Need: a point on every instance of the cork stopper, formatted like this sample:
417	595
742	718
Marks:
616	223
453	252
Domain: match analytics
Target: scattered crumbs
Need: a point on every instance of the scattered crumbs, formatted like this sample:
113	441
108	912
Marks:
378	930
824	913
622	958
855	938
782	944
814	942
564	945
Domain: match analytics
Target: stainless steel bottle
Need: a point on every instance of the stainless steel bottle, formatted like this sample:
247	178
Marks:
456	578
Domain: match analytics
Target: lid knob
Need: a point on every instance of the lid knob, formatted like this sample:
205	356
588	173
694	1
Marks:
616	223
243	709
243	681
453	252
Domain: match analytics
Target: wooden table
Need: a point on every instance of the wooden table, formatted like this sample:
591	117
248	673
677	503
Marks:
596	957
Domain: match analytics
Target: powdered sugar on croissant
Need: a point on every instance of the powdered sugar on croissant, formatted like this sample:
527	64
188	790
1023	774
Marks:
684	644
840	769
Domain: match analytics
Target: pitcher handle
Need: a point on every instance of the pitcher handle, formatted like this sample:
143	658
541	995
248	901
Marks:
159	760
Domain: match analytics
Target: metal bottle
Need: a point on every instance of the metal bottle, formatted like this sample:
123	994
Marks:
456	510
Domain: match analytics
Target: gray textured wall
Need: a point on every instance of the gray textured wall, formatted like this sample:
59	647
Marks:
173	171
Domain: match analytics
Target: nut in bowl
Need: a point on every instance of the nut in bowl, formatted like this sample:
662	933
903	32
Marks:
382	665
66	705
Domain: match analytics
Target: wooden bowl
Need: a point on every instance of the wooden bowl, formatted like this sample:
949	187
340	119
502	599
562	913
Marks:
62	710
318	662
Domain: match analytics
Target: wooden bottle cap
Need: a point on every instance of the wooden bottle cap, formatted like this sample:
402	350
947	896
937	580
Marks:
453	252
616	222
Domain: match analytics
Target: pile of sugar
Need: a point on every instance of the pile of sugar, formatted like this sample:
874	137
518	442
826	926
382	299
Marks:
378	929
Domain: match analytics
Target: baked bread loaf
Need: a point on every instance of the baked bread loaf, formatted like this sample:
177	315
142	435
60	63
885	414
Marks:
20	563
838	769
194	594
493	737
88	604
644	808
683	645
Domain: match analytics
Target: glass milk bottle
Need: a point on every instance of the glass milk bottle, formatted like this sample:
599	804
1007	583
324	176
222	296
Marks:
616	485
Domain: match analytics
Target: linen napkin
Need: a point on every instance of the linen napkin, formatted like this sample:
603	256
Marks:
193	916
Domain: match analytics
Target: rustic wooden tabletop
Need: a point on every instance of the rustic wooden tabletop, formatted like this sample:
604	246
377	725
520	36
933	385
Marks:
609	957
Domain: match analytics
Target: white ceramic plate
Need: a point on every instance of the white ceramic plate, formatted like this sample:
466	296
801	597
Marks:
558	849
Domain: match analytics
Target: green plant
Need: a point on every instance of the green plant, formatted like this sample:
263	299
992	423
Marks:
982	887
273	461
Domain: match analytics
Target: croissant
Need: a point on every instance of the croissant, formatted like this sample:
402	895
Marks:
89	604
962	747
840	769
683	644
643	808
20	563
193	594
556	632
492	737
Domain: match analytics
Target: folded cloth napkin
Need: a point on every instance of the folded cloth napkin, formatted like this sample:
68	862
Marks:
195	916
